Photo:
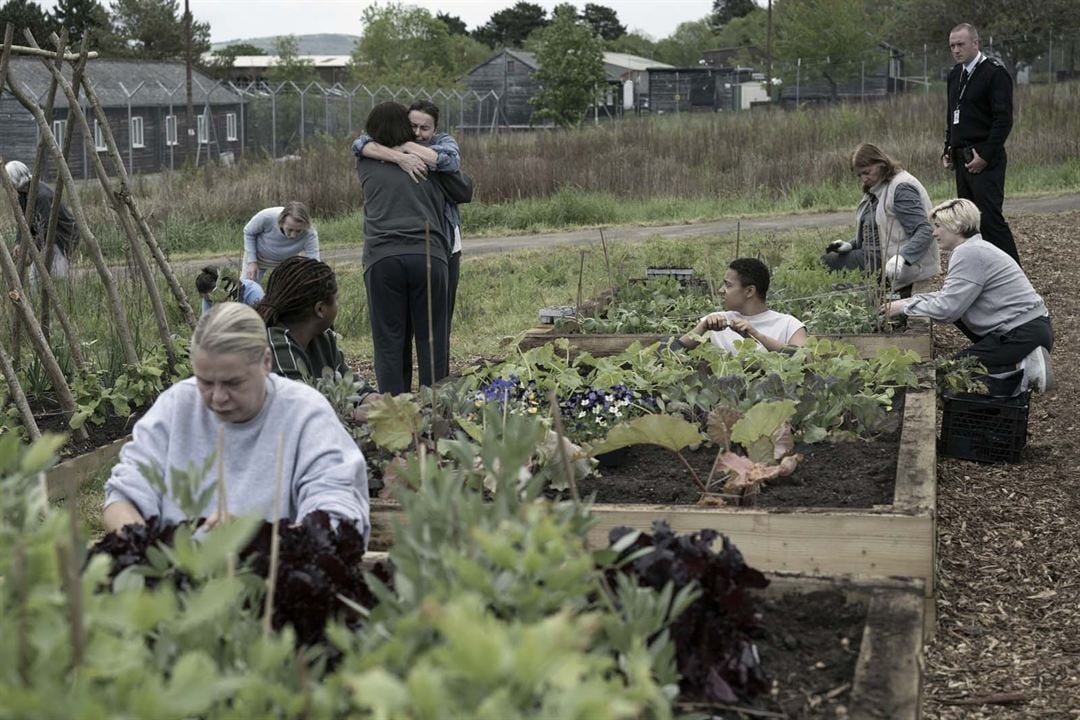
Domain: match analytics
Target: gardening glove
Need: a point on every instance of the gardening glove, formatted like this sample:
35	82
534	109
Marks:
839	246
894	266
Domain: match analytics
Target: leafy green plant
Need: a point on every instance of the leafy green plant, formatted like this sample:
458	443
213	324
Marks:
960	375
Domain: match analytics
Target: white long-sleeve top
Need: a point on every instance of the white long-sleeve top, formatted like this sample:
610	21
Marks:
265	244
323	469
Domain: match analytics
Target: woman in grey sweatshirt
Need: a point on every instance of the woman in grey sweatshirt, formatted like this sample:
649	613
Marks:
234	393
985	293
275	234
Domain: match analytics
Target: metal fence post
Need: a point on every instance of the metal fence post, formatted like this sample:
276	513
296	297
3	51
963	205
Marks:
925	72
273	123
798	81
862	81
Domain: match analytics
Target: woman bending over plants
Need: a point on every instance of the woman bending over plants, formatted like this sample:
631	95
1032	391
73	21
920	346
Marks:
217	285
299	308
746	314
234	396
985	294
276	233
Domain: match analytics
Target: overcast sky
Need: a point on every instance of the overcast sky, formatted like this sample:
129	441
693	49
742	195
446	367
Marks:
236	19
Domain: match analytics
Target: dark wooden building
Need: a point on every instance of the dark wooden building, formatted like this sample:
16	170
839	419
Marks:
146	104
699	89
510	74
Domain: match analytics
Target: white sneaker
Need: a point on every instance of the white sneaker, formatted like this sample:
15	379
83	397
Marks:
1038	373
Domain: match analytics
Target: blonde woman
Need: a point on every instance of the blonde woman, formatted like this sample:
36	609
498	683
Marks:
275	234
234	391
985	293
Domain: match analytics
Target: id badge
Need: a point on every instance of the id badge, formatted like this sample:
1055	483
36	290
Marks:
956	116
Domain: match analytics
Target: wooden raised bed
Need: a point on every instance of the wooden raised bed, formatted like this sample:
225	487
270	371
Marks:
895	540
69	474
917	338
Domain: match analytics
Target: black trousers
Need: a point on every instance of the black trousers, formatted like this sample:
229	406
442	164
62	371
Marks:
987	190
1001	351
397	294
454	272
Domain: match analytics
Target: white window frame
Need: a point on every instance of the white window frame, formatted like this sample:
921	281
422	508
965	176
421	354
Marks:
202	121
138	135
230	127
99	137
171	137
59	130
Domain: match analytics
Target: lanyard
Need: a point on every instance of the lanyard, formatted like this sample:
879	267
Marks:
965	83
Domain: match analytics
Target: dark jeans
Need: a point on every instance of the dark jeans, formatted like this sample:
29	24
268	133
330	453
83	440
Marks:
453	273
987	190
1000	352
397	294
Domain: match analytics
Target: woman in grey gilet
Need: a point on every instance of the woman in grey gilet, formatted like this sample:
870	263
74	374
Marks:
893	233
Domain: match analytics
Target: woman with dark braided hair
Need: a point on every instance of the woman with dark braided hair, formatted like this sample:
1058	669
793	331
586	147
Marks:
299	309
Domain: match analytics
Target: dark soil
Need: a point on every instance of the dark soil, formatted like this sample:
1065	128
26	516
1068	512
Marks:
112	429
845	474
810	650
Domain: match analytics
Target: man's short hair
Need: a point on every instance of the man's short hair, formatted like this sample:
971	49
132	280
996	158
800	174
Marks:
970	29
959	216
428	107
752	271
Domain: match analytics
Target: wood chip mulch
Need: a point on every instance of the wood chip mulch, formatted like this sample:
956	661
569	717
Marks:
1008	638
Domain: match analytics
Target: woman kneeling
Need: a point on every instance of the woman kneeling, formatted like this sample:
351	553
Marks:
985	293
234	391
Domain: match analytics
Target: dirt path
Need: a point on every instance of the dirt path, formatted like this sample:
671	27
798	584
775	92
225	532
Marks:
1008	641
1036	205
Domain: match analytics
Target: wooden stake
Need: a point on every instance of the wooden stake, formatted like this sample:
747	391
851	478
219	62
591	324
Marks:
140	221
607	264
121	210
120	318
44	277
738	235
275	539
38	52
15	392
580	279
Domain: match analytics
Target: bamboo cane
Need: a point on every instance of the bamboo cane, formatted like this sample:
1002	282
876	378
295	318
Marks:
31	205
140	221
121	210
275	539
15	392
58	196
47	284
120	317
38	52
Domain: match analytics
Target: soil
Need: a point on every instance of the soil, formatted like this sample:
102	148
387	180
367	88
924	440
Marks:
112	429
847	474
810	650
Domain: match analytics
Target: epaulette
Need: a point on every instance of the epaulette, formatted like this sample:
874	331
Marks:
994	61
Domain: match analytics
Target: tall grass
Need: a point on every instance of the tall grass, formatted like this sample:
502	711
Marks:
652	169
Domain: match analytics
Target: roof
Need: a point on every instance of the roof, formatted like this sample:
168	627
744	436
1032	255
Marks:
265	61
144	79
616	65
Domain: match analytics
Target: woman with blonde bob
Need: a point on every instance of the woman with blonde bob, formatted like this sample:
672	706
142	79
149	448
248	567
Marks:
277	233
233	392
985	293
892	229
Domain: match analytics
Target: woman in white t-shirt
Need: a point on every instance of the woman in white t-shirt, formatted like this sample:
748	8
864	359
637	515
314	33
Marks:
745	314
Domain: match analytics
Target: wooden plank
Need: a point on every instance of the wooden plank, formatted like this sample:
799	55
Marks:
888	682
916	467
79	469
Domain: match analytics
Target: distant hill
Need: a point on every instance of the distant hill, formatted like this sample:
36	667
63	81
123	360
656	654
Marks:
317	44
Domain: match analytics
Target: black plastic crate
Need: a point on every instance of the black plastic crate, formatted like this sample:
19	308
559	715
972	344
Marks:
984	428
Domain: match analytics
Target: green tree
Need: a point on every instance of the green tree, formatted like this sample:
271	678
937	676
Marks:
571	60
80	17
454	24
290	66
633	43
604	21
27	15
686	46
510	27
404	46
724	11
154	29
830	37
744	32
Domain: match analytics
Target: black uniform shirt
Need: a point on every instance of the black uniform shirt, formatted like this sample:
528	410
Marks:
985	109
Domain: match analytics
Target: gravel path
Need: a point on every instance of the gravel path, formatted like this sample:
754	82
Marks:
1008	641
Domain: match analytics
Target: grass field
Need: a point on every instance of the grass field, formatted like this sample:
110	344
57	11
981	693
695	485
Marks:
650	170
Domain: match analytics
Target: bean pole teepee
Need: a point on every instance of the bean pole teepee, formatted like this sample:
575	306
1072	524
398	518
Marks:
117	191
